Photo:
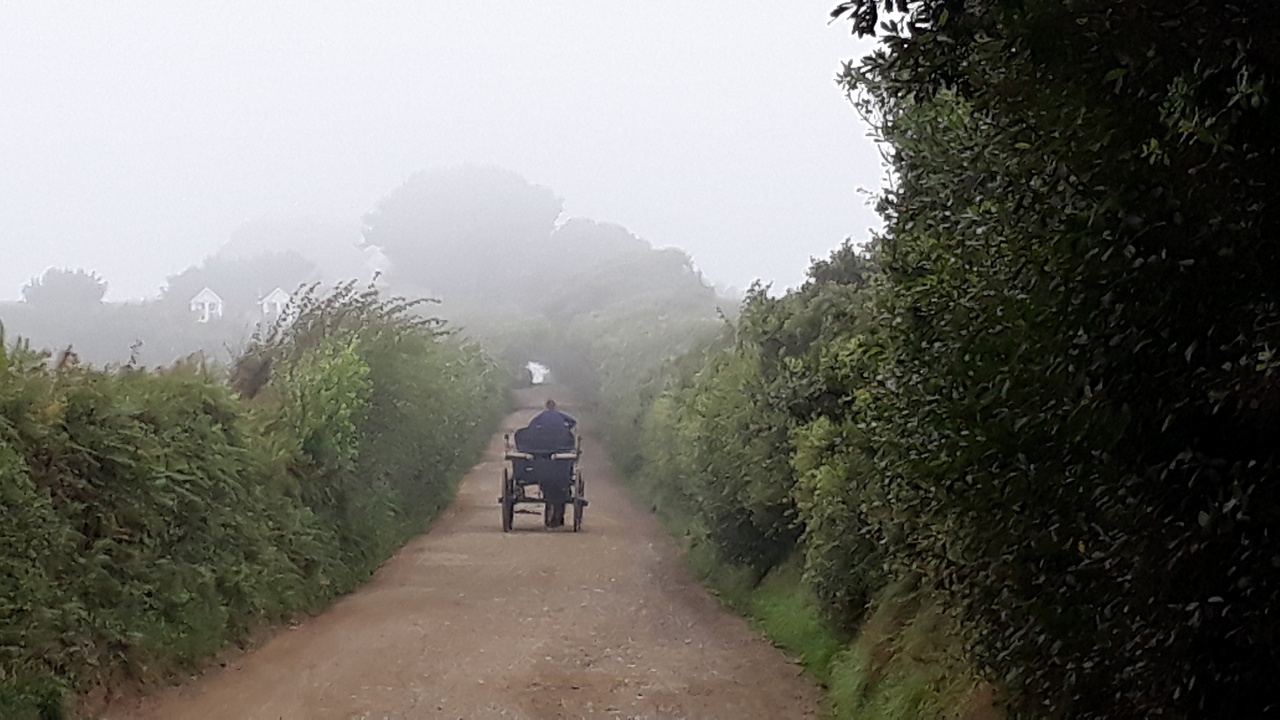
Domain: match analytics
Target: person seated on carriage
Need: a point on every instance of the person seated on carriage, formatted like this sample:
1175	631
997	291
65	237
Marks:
551	417
551	431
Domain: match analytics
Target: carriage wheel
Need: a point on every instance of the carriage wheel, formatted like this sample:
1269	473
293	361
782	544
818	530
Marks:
578	506
508	502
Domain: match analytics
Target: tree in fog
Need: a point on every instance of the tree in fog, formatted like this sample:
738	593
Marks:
657	280
333	246
65	289
241	281
588	242
601	267
463	233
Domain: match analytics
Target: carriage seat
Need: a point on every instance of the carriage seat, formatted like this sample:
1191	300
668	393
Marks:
543	454
516	455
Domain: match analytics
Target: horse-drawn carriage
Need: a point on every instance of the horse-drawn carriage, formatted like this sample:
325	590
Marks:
542	469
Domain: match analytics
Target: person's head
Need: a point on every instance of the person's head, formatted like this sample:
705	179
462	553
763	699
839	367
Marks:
551	404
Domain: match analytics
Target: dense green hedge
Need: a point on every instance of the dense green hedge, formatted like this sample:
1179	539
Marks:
150	518
1073	415
1047	396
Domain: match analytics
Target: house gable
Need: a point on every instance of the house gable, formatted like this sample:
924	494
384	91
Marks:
207	305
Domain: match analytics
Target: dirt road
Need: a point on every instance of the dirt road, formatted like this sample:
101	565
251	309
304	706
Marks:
469	622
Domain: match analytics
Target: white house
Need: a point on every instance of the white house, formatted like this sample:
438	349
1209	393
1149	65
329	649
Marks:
274	303
207	305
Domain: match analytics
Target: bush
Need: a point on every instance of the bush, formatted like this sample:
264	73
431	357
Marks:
1067	405
154	517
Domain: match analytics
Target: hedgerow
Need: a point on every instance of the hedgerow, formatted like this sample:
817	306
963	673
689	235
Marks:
1072	412
153	517
1046	397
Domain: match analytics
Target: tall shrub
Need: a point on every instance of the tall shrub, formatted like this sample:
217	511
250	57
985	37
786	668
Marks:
153	517
1074	408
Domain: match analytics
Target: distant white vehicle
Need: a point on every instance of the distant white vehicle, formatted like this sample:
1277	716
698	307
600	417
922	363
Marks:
207	305
538	372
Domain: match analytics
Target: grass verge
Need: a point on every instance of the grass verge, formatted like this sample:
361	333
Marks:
904	663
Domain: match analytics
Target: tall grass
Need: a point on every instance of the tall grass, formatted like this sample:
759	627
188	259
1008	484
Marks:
153	517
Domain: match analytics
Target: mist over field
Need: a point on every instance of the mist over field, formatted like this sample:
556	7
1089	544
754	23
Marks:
139	138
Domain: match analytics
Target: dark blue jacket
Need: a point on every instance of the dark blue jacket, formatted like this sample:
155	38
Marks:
551	431
552	418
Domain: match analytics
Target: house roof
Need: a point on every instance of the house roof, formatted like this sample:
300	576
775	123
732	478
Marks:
206	296
276	295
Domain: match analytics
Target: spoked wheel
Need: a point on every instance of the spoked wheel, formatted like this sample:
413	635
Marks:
508	502
579	503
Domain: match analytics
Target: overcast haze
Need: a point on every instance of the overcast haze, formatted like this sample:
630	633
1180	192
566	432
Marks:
136	137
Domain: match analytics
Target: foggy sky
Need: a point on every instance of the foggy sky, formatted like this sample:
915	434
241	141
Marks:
136	136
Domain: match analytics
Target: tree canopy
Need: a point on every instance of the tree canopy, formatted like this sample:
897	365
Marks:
61	288
242	281
464	232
